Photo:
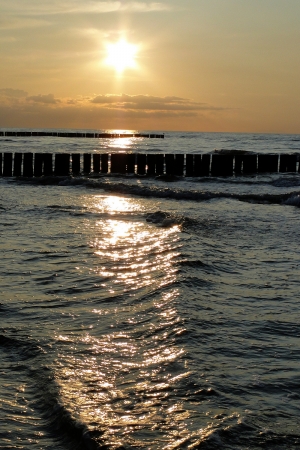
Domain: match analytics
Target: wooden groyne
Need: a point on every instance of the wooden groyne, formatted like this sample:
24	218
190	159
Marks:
78	135
191	165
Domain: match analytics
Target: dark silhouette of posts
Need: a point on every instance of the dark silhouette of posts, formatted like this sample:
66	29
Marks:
197	165
151	164
38	164
249	164
201	165
118	163
96	163
76	163
141	164
7	165
222	165
159	164
189	165
130	163
179	163
238	161
87	160
104	163
18	157
62	164
155	164
267	163
288	163
48	169
28	165
170	164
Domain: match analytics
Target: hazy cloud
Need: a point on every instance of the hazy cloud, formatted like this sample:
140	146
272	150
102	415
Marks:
15	93
48	99
105	111
37	7
150	103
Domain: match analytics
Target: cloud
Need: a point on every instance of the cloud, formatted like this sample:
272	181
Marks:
150	103
111	104
107	111
37	7
48	99
139	105
14	93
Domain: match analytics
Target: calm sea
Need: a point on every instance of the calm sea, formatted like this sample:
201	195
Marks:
137	313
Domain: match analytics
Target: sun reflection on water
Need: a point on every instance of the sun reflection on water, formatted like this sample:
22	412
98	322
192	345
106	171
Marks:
123	376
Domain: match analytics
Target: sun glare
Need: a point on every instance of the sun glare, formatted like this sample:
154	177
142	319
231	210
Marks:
121	55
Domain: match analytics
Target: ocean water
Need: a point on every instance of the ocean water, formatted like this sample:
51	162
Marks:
137	313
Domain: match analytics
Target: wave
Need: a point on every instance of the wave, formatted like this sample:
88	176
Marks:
289	181
129	186
294	200
27	357
236	433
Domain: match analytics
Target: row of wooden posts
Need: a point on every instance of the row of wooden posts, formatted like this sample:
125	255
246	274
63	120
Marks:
192	165
77	135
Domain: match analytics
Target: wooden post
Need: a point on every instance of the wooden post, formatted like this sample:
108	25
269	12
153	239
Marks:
28	165
179	163
38	165
288	163
159	164
201	165
197	165
267	163
118	163
205	165
75	163
151	164
48	169
104	163
238	159
170	164
62	164
96	162
7	165
222	165
131	163
87	159
18	164
249	164
141	164
189	166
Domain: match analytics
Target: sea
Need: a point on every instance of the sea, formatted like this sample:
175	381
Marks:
150	313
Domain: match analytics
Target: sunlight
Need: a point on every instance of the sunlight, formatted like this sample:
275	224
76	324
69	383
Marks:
121	55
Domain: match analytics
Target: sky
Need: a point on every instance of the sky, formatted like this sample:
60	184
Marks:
188	65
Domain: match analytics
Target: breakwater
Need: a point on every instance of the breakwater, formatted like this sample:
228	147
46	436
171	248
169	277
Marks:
193	165
78	135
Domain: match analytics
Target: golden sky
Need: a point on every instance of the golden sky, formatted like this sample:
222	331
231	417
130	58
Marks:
202	65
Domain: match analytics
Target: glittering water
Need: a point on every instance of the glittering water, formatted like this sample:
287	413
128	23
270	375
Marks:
140	314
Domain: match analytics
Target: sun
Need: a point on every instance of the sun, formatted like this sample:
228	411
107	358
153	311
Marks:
121	55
